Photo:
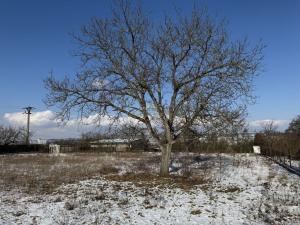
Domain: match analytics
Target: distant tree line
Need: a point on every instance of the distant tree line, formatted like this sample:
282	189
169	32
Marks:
13	140
236	140
281	146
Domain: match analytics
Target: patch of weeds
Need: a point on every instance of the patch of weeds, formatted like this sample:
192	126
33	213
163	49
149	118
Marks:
230	189
99	196
123	202
196	212
212	197
206	187
69	205
57	199
109	170
61	219
141	214
19	213
141	166
147	204
266	185
283	180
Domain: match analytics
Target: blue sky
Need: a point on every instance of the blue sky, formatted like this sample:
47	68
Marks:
34	40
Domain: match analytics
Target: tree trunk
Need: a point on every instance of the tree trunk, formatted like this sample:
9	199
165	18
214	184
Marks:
165	160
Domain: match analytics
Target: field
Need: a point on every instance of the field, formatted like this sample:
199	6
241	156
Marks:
123	188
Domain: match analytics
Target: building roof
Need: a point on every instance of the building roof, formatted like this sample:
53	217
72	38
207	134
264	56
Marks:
111	141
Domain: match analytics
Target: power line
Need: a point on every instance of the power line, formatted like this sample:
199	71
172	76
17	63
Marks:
28	110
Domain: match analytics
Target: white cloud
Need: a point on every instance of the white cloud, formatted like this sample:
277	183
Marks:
36	119
259	124
43	124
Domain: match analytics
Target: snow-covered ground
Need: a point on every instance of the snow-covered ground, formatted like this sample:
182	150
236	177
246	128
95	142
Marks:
221	189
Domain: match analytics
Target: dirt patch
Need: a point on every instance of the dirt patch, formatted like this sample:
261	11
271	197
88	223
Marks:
153	180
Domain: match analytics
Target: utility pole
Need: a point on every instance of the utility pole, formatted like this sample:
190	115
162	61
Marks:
28	112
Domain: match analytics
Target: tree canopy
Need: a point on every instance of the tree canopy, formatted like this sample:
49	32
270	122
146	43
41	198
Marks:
294	126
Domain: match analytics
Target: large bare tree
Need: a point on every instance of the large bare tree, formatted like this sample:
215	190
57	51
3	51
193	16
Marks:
169	76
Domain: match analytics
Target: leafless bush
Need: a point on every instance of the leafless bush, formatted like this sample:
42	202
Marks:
11	135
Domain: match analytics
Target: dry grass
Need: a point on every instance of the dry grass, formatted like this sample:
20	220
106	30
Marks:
42	173
153	180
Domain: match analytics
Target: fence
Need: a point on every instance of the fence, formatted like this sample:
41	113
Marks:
215	146
281	148
10	149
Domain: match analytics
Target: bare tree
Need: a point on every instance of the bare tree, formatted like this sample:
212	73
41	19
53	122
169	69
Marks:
97	135
294	126
10	135
271	134
170	76
134	133
270	128
130	131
